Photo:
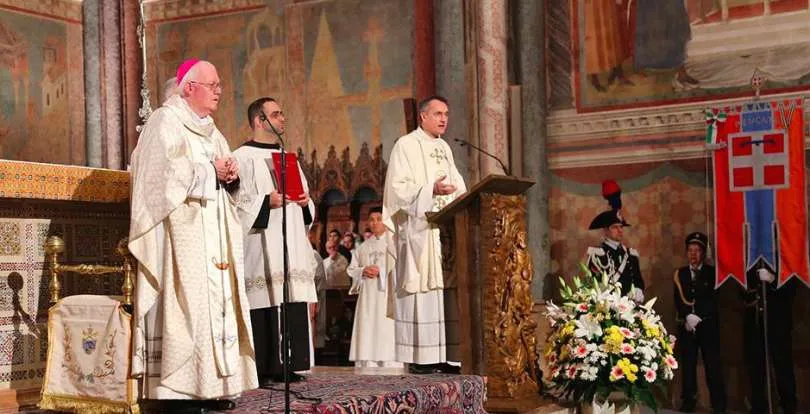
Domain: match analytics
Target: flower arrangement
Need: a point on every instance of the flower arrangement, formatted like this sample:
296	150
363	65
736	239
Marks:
602	343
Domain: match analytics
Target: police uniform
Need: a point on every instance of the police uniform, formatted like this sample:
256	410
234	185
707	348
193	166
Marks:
618	261
695	295
780	342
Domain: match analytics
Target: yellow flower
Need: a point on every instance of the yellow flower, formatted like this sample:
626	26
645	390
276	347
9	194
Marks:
666	345
564	353
568	329
613	339
651	330
628	368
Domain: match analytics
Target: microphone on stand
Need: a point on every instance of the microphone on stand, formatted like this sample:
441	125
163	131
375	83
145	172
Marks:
285	334
463	142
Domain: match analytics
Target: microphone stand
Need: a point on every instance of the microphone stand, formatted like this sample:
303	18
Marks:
285	334
463	142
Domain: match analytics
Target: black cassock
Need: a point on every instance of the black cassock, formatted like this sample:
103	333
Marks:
266	324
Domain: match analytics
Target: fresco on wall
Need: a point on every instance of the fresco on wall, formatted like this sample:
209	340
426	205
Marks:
37	53
640	53
339	68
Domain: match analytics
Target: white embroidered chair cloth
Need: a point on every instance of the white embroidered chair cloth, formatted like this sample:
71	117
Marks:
89	339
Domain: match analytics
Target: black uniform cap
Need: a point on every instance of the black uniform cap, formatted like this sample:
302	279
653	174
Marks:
697	238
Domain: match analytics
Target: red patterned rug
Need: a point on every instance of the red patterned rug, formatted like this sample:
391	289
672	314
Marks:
346	393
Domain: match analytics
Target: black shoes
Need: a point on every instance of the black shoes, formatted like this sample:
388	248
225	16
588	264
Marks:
446	368
269	381
422	369
441	368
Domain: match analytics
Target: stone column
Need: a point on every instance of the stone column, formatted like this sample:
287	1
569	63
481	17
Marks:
111	91
92	83
132	68
449	59
531	73
492	83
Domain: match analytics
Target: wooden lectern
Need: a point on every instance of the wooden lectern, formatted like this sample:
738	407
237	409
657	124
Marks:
491	261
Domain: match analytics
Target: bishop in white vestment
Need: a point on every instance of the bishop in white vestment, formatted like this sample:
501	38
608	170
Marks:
422	177
192	336
260	212
373	333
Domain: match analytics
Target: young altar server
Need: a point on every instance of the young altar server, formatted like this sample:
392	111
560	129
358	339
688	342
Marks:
373	343
260	208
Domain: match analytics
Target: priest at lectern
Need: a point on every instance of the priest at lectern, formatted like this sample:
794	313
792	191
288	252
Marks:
422	177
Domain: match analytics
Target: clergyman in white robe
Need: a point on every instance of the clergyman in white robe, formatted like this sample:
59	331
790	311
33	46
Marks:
417	160
192	330
264	267
373	343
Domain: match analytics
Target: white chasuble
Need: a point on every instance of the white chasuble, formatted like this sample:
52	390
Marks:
373	343
416	162
264	266
192	323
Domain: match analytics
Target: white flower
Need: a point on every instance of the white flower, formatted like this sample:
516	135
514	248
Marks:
625	308
587	327
647	353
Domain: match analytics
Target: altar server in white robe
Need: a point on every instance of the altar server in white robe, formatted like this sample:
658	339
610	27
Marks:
373	332
422	177
260	209
192	335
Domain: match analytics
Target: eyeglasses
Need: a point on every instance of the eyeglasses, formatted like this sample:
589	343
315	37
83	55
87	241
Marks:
212	86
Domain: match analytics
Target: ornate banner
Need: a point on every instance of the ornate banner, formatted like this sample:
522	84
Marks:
759	191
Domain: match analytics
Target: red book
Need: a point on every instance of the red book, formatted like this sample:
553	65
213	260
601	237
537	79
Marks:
295	185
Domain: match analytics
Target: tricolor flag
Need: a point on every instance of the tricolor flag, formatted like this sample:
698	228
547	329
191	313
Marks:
759	191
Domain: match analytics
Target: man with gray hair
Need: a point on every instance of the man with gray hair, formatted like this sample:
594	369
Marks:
191	322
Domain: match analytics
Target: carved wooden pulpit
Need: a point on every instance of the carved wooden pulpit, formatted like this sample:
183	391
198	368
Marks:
493	269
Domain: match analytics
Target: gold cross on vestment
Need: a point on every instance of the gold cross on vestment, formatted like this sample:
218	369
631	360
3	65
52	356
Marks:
375	257
439	155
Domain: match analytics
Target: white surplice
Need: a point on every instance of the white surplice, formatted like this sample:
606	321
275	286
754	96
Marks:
414	254
373	343
192	336
264	266
264	250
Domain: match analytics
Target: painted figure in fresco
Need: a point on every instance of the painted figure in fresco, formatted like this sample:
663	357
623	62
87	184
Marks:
780	339
661	33
260	207
605	50
619	262
698	325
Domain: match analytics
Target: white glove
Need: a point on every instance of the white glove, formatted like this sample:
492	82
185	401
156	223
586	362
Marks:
638	296
692	322
765	275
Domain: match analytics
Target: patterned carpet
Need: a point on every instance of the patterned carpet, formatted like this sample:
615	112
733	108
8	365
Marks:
347	393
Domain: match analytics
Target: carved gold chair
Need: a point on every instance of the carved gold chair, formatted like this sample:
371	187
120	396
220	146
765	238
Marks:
89	340
55	246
